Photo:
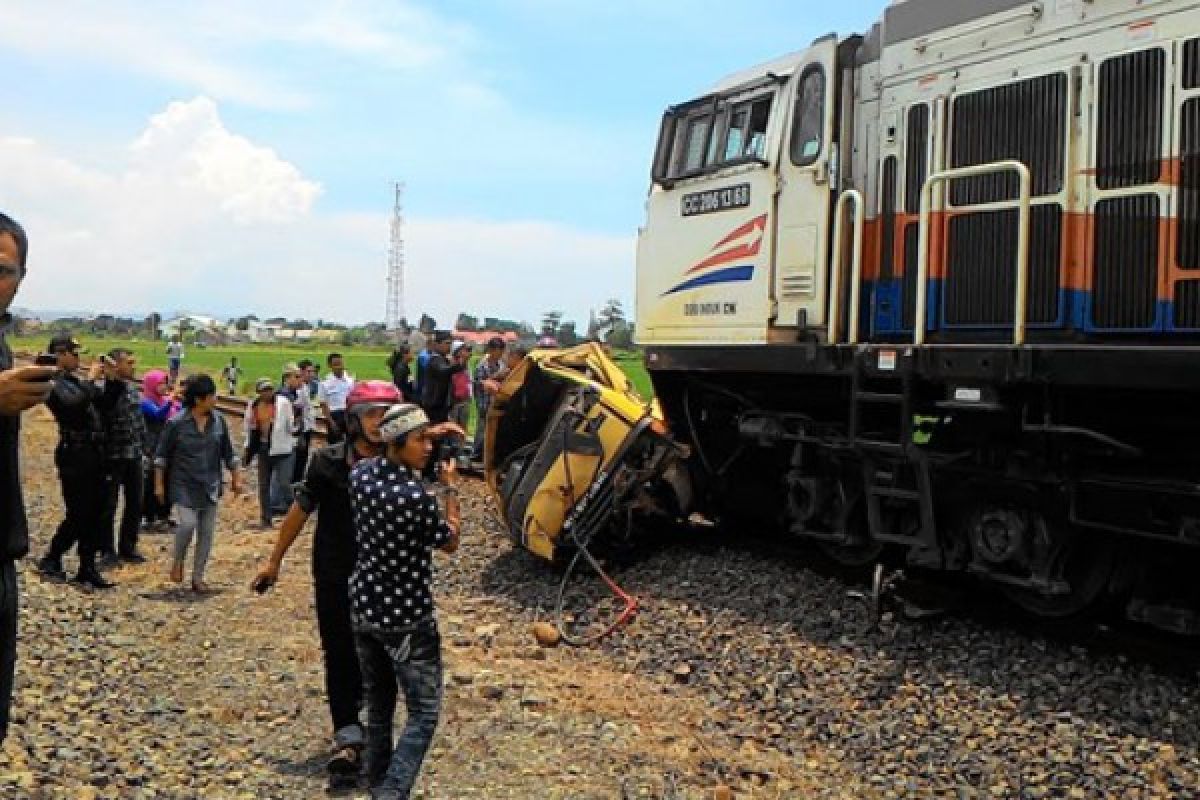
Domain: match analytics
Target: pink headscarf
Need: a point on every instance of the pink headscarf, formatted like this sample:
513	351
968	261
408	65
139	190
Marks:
152	381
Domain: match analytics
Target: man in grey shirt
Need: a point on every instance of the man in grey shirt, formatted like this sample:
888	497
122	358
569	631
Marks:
192	449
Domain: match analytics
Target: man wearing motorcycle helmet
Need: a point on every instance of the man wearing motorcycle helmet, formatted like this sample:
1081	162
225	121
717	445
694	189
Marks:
325	490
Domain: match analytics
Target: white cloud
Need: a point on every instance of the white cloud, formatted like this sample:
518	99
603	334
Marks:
189	144
217	47
200	217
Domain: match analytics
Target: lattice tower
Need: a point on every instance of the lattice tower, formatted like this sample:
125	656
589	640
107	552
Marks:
395	278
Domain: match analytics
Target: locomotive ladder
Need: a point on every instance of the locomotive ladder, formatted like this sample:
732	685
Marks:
895	470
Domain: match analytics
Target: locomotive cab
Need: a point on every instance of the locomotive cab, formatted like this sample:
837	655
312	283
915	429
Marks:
738	215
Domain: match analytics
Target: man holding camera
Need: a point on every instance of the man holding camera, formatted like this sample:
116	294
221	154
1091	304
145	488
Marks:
20	389
397	525
79	458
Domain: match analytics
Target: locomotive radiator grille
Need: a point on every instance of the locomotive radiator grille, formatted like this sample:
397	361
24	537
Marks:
980	278
1025	121
1126	262
1191	64
1188	233
1130	120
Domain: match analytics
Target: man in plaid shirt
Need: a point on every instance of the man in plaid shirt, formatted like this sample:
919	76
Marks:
125	434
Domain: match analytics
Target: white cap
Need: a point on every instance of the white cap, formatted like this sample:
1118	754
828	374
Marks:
401	419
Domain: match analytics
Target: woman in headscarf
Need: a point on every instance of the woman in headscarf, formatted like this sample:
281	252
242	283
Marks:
159	405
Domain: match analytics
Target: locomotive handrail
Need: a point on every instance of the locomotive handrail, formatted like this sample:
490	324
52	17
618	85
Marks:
1023	204
835	275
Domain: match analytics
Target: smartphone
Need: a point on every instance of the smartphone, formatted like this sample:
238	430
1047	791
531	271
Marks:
46	360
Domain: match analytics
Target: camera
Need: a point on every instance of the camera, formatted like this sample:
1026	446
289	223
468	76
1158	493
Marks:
46	360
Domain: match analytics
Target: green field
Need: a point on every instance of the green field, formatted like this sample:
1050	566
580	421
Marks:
266	361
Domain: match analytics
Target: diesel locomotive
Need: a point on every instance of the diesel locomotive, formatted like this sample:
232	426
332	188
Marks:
932	293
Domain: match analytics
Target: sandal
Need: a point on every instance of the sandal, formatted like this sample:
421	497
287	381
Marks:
344	763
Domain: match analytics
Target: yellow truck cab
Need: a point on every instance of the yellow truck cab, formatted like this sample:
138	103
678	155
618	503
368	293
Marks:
569	440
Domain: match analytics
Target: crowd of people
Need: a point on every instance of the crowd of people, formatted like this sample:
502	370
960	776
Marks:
382	488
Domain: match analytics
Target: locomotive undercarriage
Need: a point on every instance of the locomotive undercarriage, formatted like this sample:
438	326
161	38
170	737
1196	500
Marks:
1066	478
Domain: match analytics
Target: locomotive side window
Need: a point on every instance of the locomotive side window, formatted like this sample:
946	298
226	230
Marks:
1130	120
808	127
1025	121
695	149
747	134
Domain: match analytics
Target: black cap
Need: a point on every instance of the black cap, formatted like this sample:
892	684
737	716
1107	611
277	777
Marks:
64	341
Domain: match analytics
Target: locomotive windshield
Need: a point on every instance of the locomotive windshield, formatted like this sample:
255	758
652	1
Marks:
713	133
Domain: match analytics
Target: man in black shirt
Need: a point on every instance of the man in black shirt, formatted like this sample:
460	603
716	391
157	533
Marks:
325	491
79	457
124	450
436	379
20	390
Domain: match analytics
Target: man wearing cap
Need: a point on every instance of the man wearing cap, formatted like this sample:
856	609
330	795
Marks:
270	425
79	458
397	524
437	393
21	388
295	390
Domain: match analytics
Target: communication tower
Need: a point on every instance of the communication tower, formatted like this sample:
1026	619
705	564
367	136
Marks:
395	279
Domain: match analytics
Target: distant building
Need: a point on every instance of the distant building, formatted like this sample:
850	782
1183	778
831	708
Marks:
255	331
479	339
202	328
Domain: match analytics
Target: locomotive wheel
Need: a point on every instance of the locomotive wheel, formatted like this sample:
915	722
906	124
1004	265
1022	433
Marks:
862	551
1084	562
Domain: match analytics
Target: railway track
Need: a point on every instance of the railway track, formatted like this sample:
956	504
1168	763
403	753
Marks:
233	406
229	405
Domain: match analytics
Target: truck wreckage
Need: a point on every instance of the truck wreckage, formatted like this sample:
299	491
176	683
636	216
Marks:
573	453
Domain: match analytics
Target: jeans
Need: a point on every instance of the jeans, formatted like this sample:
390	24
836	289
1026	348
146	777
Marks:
343	679
8	640
203	522
411	662
124	475
481	412
274	485
81	472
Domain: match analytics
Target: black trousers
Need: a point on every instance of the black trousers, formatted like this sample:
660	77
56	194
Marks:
8	640
81	473
152	510
303	445
337	427
343	678
125	475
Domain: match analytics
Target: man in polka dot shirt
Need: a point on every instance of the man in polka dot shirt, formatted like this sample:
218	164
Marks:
397	525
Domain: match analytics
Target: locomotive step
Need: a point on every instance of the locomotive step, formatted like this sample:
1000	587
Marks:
879	397
894	493
880	447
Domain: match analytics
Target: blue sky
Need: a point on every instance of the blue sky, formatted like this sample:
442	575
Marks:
233	157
